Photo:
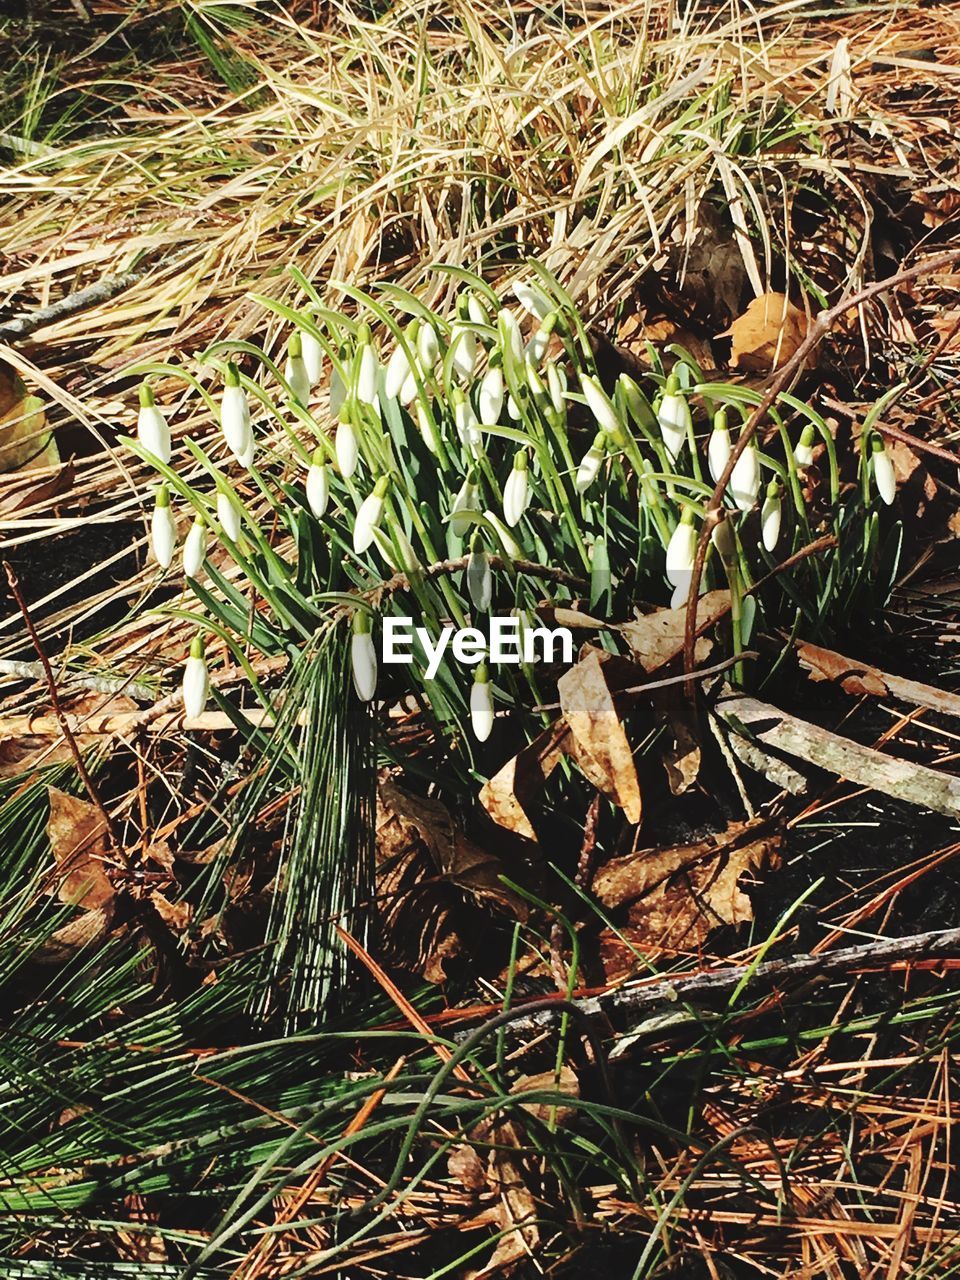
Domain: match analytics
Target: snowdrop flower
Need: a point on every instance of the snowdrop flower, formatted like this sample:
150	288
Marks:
557	387
479	575
428	346
770	514
152	430
163	530
532	299
235	417
674	418
745	478
681	554
312	353
509	543
196	681
363	657
537	346
195	548
476	310
490	397
295	371
884	476
398	553
368	370
513	409
463	342
481	704
590	463
427	427
318	485
466	420
228	515
397	373
369	516
599	404
719	447
803	454
534	381
516	492
510	338
346	448
466	500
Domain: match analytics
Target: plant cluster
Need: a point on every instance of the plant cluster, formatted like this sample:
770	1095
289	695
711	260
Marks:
477	462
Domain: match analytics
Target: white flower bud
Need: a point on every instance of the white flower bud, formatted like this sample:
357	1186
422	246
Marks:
369	516
152	430
770	515
513	409
318	485
590	464
600	405
466	500
719	447
509	543
557	386
803	454
398	371
884	476
163	529
347	450
295	371
682	552
229	516
481	704
532	299
674	419
466	421
745	478
516	492
312	353
195	548
196	681
235	418
464	344
476	310
490	397
367	375
428	346
363	657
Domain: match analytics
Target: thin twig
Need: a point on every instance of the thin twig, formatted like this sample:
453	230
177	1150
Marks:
817	332
58	711
637	998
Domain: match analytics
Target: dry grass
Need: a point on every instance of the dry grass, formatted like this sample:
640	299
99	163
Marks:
361	148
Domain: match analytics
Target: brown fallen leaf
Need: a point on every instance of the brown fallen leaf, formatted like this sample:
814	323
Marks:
676	897
599	744
509	793
657	638
681	756
25	440
417	839
516	1207
767	334
78	841
18	491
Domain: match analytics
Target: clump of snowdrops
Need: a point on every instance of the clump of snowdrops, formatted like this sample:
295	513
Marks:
474	463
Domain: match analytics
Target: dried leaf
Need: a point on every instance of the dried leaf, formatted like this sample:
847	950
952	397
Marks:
24	440
599	743
77	835
466	1169
657	638
676	897
21	755
508	794
516	1209
767	334
567	1083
